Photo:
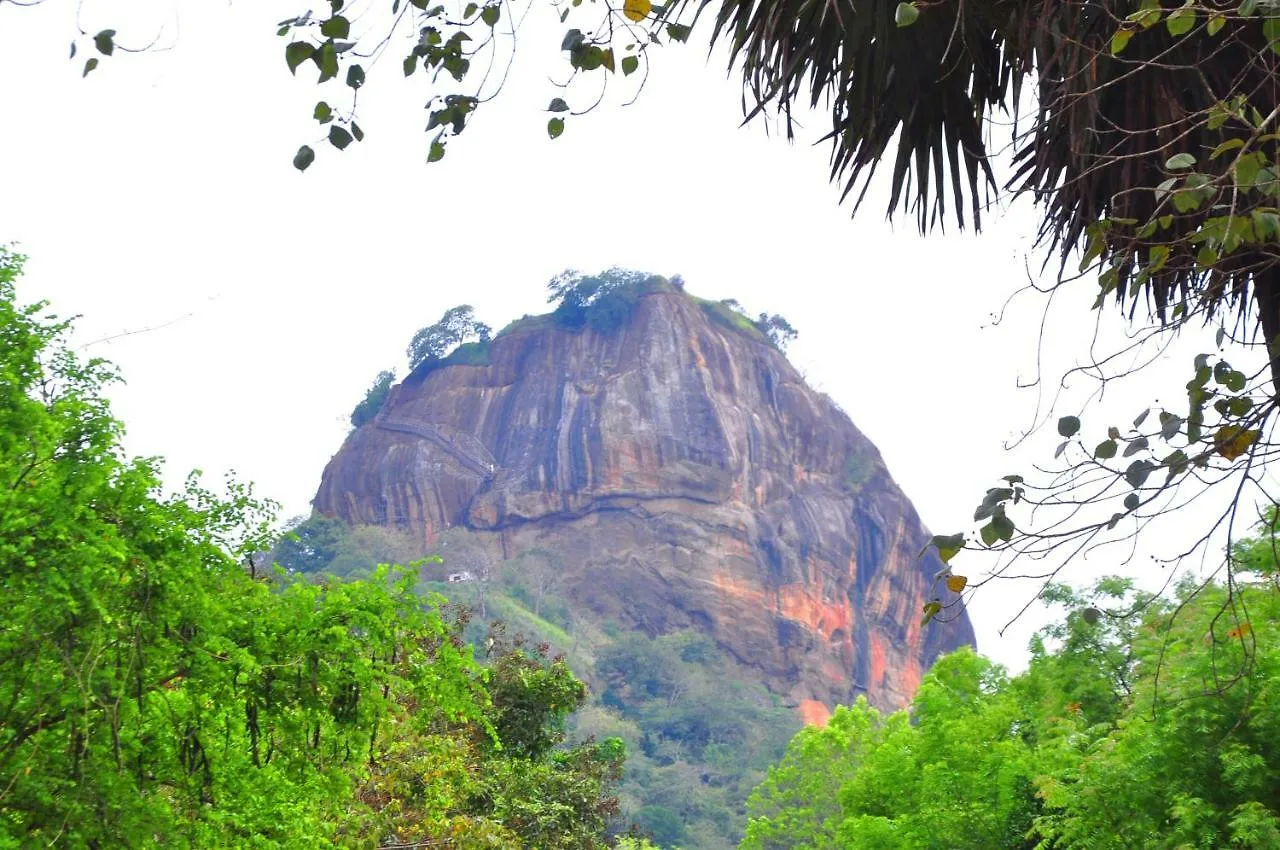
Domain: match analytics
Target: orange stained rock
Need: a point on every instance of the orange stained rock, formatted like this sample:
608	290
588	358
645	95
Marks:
632	462
697	351
734	589
799	602
813	713
878	663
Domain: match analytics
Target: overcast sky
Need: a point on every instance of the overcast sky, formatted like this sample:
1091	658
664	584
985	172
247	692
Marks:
158	193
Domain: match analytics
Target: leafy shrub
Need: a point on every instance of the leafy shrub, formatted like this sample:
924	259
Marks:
374	398
856	471
604	301
664	825
770	328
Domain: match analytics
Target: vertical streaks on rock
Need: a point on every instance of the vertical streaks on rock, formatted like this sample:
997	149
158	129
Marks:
684	476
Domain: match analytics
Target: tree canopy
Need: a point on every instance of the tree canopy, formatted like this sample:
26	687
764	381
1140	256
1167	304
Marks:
458	325
373	399
160	686
1130	729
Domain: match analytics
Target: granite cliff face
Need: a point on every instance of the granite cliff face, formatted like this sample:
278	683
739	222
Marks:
684	476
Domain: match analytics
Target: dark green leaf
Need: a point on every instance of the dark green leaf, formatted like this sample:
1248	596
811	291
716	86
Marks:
1271	31
1131	502
558	105
436	152
555	127
948	545
1068	426
336	27
571	40
326	58
357	132
338	137
303	158
629	65
678	32
89	65
1137	473
105	42
297	53
1003	526
323	113
355	76
491	14
1176	463
1105	450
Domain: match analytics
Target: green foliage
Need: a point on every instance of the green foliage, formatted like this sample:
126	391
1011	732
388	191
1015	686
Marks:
434	342
153	691
777	329
373	400
773	329
321	544
704	737
532	695
663	824
1139	724
697	735
603	301
856	471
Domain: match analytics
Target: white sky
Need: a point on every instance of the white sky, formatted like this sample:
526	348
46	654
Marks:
159	190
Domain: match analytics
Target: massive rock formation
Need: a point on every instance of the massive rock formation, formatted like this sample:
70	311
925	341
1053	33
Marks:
685	476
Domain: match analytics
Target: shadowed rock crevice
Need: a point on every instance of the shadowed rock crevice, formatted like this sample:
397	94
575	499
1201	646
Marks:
684	476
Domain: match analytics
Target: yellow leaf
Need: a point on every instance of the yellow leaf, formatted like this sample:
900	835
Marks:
956	584
1233	442
637	10
1241	630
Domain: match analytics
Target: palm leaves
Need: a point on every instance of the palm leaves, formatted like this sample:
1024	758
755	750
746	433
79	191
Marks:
1122	88
930	84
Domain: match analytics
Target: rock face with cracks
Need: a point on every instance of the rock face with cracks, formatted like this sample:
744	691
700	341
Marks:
683	476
